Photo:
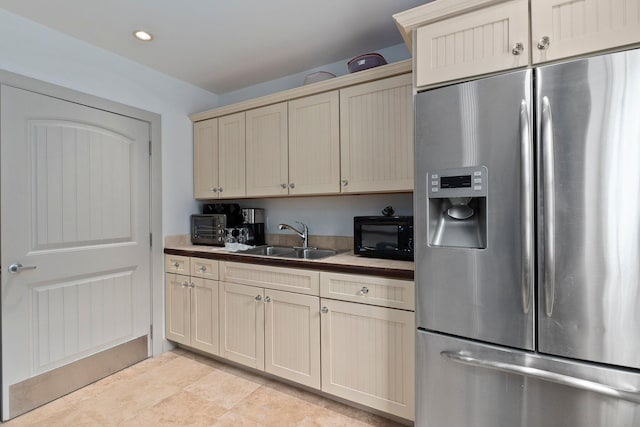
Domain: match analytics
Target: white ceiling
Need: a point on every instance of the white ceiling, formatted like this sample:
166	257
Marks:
224	45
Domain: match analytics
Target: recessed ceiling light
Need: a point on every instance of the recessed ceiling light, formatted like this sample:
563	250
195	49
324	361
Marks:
142	35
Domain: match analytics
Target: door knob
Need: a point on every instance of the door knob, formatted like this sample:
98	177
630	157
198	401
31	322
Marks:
17	268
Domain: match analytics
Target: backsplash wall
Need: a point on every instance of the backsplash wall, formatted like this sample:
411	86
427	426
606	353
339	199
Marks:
326	215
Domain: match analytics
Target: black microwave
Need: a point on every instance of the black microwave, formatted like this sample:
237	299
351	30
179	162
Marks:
389	237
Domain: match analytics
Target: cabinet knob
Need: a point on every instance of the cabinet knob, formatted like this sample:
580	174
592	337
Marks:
176	264
192	285
517	49
220	189
292	185
364	290
203	268
324	310
543	43
345	182
258	298
267	299
185	284
213	190
283	186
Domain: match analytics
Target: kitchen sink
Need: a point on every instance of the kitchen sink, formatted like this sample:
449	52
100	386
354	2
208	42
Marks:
269	250
309	253
289	252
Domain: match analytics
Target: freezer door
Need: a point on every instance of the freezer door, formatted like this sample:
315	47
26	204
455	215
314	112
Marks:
462	383
487	293
589	182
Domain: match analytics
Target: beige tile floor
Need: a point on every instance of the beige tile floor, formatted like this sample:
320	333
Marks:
180	388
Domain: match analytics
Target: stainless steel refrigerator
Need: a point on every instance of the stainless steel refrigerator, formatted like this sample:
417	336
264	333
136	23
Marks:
527	225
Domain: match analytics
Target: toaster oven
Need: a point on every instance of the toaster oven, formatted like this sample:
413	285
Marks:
208	229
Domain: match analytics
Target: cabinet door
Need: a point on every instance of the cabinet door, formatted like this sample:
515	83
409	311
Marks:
205	159
267	151
292	337
231	156
479	42
177	308
242	324
376	136
368	355
578	27
204	315
314	144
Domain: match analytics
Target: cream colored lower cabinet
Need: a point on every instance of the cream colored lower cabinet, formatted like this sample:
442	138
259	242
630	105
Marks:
192	312
275	331
368	355
177	310
292	337
242	324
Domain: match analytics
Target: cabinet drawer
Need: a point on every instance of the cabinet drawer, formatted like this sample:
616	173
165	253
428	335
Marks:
205	268
472	44
177	264
372	290
285	279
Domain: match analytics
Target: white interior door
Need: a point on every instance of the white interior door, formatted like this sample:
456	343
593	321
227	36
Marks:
75	205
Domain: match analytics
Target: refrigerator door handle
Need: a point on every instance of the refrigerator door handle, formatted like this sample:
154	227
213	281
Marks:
526	203
549	206
466	358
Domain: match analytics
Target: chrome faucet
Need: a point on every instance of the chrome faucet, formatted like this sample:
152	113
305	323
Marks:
304	234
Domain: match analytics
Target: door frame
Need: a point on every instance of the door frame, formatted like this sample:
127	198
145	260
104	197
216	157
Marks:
157	342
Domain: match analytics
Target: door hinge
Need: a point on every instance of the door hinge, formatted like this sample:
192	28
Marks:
149	147
151	331
150	239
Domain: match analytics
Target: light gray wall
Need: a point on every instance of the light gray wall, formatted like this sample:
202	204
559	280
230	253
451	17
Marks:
32	50
392	54
327	215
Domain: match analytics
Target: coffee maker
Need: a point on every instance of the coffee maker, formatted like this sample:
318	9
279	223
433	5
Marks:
253	225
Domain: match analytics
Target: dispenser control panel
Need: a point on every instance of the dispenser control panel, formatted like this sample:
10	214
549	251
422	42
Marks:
458	182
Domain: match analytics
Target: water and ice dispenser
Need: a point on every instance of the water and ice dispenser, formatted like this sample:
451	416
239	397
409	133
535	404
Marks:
457	204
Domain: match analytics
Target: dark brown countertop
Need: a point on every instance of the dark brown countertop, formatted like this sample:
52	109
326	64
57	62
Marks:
345	262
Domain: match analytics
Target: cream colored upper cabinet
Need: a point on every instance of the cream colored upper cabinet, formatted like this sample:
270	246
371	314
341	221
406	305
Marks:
231	156
376	136
205	164
267	151
484	41
314	144
564	28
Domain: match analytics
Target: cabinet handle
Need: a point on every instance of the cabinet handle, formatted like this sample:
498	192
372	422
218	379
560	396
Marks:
345	182
283	186
220	189
364	290
544	43
517	49
176	264
267	299
324	310
213	190
203	268
258	298
292	185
